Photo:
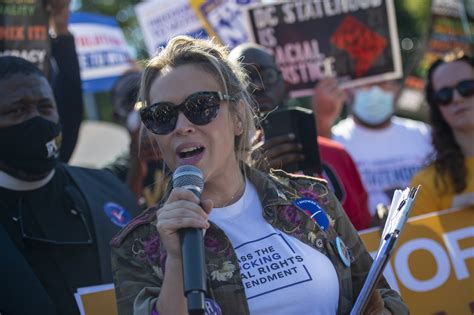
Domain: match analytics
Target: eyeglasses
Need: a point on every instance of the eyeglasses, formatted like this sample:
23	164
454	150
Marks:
27	236
199	108
444	96
269	76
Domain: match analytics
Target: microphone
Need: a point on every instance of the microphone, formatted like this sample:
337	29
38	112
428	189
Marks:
192	244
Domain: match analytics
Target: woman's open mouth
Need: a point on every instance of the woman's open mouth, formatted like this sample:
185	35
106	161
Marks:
190	152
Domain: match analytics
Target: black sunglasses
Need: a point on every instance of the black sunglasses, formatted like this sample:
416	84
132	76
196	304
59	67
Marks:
199	108
444	96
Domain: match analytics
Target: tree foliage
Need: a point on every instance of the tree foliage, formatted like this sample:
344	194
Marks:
412	23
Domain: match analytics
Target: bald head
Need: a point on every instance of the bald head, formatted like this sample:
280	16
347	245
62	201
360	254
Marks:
250	53
268	86
11	65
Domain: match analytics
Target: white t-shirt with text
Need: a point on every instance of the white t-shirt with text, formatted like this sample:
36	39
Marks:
281	275
386	158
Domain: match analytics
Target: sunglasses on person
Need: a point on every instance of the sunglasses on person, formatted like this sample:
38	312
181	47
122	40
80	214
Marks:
199	108
445	96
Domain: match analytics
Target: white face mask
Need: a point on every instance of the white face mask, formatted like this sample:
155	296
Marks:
373	106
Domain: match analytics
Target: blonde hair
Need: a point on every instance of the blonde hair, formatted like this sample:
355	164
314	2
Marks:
212	58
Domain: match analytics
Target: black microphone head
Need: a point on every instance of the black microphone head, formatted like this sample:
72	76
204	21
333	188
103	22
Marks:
189	177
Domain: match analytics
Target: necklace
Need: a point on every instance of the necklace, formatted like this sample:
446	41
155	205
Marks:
236	196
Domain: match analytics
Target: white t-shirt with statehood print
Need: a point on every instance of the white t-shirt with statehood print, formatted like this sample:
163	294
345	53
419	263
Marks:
386	158
280	274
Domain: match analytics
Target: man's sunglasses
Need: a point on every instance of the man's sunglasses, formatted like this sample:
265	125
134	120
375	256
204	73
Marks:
199	108
444	96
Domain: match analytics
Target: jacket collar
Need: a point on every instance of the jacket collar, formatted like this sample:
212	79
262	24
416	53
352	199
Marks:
12	183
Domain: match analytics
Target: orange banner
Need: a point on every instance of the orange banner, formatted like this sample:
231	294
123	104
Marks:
433	264
97	300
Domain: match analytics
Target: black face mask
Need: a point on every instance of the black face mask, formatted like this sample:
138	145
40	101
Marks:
32	146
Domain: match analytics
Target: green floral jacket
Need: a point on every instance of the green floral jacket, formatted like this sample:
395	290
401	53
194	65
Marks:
138	257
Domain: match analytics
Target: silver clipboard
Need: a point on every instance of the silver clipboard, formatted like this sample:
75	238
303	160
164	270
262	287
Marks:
398	215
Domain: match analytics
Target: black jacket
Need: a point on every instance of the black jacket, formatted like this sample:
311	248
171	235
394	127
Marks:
21	292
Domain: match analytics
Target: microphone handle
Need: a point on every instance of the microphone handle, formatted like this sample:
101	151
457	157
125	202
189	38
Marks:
194	269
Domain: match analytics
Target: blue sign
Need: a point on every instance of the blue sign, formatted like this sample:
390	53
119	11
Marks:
102	50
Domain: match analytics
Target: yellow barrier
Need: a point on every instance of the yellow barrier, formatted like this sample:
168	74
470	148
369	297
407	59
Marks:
433	264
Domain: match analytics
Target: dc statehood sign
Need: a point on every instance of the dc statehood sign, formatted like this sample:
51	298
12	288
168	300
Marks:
160	20
355	41
101	48
433	264
24	31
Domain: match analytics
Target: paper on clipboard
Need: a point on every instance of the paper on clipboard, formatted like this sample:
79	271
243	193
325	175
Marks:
400	208
97	300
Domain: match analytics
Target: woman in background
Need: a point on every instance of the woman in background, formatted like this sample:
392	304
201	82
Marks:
449	180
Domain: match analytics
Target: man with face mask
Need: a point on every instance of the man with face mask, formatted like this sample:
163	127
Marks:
55	220
387	150
338	168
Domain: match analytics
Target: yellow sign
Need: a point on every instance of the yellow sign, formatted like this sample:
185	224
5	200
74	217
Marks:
100	303
98	300
433	265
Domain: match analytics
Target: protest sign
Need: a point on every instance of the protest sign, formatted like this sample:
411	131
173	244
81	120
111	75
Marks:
160	20
101	48
224	19
24	31
97	300
433	265
355	41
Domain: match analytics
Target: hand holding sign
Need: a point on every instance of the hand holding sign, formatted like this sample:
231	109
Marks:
59	15
328	99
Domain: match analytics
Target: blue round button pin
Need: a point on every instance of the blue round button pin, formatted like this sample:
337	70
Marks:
314	211
117	214
343	252
212	308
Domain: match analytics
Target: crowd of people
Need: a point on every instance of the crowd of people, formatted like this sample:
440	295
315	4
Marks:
195	102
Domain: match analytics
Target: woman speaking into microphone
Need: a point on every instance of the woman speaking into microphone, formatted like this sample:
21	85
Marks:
274	243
